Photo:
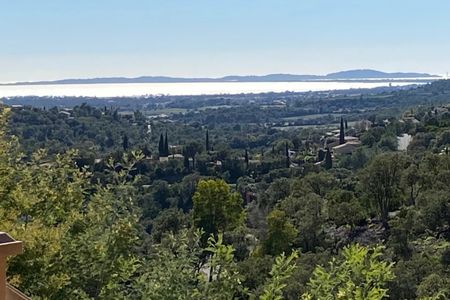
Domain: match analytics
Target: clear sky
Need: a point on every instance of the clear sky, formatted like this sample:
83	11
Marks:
54	39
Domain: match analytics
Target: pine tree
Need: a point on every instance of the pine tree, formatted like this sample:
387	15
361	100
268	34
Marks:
341	133
166	146
328	160
207	140
161	145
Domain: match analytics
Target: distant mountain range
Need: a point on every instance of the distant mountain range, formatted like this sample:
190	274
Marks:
360	75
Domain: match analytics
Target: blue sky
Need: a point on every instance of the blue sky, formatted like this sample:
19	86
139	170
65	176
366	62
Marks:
53	39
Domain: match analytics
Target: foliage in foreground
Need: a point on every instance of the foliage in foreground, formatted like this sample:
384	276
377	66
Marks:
361	275
127	227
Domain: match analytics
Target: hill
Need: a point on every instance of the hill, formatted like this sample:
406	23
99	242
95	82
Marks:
343	75
371	74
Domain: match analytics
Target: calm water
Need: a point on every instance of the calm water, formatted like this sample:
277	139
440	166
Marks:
195	88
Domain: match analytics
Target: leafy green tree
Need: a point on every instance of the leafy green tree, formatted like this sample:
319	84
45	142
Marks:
409	273
170	220
282	270
187	190
223	281
171	271
343	208
415	181
444	138
161	193
360	275
434	287
356	160
278	190
388	142
368	139
39	202
381	181
99	252
216	208
280	233
254	270
280	146
318	183
80	244
435	211
306	215
297	284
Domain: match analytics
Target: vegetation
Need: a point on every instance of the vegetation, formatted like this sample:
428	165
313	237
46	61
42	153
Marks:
359	276
223	203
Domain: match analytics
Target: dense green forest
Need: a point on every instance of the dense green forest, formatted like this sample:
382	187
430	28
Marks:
308	197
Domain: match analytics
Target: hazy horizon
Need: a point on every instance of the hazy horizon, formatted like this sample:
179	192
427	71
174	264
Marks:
49	40
184	88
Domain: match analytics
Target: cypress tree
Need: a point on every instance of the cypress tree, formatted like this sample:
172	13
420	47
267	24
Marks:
246	158
125	143
321	155
146	151
161	145
288	160
207	140
328	160
341	133
185	159
116	115
346	124
166	146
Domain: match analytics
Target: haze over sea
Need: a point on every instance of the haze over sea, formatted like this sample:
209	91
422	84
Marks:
185	88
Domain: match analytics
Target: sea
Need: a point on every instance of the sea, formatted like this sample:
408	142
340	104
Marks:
186	88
